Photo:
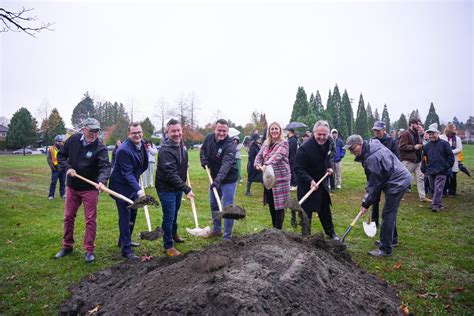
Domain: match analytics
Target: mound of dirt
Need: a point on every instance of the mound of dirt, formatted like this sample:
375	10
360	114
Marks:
271	272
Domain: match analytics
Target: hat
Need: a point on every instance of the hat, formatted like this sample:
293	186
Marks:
236	138
433	128
353	140
59	138
334	131
379	125
255	137
91	123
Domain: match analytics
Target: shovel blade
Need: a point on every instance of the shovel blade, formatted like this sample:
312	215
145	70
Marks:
199	232
370	229
144	200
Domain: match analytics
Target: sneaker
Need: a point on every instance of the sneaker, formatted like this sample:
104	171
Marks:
293	188
173	252
50	198
248	194
213	235
425	199
338	186
89	257
377	253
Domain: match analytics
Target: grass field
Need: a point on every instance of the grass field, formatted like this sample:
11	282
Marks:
432	269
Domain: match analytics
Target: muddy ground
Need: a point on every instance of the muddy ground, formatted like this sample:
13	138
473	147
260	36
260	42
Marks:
271	272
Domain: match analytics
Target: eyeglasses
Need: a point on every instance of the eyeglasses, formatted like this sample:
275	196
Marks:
95	131
136	133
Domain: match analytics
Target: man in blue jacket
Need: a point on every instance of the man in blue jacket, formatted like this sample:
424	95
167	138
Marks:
438	158
339	153
130	162
384	173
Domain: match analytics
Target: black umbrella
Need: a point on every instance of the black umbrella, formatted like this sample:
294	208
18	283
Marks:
464	169
294	125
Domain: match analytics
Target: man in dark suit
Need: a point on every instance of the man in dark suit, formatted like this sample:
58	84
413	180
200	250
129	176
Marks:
130	162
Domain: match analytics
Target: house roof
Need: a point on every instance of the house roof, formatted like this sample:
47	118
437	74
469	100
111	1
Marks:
3	128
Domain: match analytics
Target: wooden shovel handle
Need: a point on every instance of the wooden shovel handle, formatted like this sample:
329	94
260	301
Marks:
351	225
117	195
216	195
193	205
312	189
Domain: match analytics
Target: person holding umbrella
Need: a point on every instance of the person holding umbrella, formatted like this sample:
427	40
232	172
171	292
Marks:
253	175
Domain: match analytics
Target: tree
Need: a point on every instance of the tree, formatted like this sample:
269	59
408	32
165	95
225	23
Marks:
118	131
361	125
300	107
55	126
370	116
385	116
147	127
320	112
330	109
22	21
402	122
348	113
376	115
192	110
456	122
432	117
83	110
414	114
21	130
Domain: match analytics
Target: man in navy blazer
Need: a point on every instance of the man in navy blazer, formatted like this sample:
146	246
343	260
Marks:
131	161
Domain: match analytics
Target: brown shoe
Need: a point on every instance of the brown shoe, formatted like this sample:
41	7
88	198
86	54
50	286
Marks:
173	252
425	199
178	239
213	235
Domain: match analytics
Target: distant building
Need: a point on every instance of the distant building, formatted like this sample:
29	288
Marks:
3	133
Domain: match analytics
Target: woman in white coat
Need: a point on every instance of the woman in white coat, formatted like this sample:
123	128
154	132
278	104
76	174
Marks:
456	146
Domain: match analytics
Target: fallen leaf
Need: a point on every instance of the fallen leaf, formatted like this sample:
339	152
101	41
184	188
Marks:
8	241
397	265
45	306
94	310
461	289
404	309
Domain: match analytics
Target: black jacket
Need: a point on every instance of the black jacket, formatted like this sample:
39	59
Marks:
390	143
438	157
292	149
172	168
383	170
253	174
91	162
220	158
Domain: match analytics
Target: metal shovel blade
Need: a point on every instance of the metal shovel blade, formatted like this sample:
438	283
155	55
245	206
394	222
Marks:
200	232
370	229
144	200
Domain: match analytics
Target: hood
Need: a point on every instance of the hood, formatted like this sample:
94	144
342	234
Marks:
169	143
369	147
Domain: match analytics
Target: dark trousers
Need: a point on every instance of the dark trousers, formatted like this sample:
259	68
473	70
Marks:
126	223
451	184
428	189
278	216
375	218
324	214
170	203
332	181
55	176
389	220
293	175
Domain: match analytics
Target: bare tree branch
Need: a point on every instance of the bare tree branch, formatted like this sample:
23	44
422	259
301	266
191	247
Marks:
19	22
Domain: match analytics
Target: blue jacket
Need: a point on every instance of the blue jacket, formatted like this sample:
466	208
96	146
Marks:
130	163
340	152
391	144
438	158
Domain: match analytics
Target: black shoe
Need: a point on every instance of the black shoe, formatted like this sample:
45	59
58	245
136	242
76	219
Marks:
134	244
89	257
334	237
378	244
131	256
178	239
63	252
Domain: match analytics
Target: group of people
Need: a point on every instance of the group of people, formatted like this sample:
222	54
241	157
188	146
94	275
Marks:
387	167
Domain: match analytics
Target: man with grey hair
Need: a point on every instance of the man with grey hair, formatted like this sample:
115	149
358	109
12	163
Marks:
384	173
313	160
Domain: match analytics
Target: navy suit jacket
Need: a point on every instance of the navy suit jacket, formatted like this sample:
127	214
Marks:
130	163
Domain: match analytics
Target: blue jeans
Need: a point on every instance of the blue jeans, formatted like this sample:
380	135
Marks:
389	220
226	193
55	176
170	203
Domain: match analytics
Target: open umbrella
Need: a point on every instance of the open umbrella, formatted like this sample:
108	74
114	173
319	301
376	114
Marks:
293	125
233	132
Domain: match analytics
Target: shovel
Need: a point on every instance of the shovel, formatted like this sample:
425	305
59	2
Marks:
295	206
230	211
149	235
139	202
196	231
351	225
370	228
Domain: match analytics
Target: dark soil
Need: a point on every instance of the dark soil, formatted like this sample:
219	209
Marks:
271	272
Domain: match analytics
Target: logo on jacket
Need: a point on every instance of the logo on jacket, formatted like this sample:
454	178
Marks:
89	154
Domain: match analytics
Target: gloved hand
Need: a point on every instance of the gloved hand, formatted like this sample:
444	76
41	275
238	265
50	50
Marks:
216	184
204	163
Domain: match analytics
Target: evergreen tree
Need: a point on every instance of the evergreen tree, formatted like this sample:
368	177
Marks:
300	107
339	119
456	122
415	114
312	108
361	125
320	112
347	109
402	122
370	116
55	125
432	117
330	110
21	130
385	116
147	127
376	115
83	110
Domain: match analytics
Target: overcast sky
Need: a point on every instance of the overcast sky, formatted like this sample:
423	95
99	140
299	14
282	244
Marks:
241	57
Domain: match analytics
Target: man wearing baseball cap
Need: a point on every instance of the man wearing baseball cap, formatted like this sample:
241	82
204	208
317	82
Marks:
384	173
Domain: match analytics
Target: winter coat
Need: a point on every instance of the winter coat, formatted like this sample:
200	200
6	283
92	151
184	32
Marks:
220	158
292	149
253	174
312	162
340	152
130	163
152	151
172	168
407	144
456	146
383	170
390	143
438	158
276	155
90	161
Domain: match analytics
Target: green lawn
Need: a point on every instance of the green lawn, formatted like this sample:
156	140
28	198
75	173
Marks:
432	269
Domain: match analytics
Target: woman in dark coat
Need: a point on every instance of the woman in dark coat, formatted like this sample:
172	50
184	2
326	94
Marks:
253	175
313	160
